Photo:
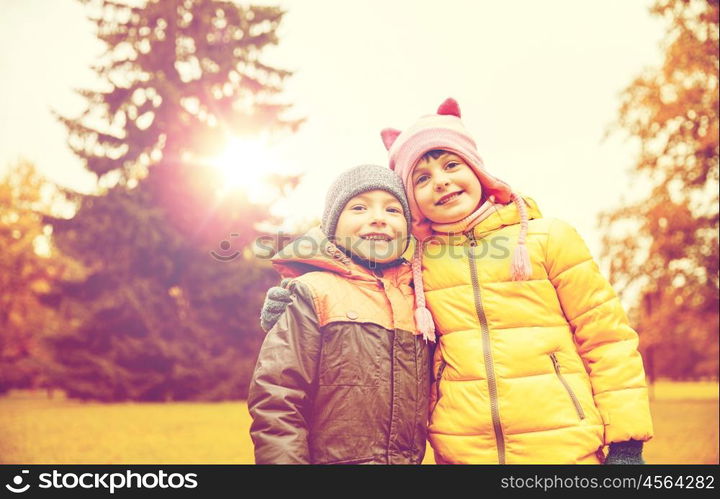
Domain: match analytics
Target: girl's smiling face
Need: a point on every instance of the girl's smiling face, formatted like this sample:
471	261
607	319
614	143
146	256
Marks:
446	188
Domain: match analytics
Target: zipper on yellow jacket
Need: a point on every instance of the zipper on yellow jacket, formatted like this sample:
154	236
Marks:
487	352
573	397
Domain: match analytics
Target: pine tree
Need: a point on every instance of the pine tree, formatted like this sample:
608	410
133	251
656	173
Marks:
159	318
665	246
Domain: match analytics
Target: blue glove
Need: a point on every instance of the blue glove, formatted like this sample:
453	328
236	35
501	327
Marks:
276	301
629	452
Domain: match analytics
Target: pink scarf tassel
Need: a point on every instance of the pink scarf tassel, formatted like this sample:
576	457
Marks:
423	318
520	268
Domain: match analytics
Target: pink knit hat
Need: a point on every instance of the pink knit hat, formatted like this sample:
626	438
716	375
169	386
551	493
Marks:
444	130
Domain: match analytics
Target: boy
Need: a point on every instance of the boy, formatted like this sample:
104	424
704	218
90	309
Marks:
343	376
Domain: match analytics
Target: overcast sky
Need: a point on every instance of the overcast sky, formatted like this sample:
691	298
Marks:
538	84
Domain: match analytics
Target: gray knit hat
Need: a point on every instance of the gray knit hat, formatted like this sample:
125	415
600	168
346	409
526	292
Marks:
355	181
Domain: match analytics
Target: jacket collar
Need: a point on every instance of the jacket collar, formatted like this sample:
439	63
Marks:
506	215
314	252
503	216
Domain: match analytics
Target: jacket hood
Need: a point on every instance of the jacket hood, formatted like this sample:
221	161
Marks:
313	252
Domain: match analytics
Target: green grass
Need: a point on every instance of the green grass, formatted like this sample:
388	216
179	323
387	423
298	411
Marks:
698	390
37	430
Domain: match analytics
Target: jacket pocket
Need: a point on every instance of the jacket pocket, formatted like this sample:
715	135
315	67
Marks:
568	388
438	376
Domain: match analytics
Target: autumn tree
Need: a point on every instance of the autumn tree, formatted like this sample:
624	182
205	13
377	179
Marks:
28	265
178	80
160	318
663	247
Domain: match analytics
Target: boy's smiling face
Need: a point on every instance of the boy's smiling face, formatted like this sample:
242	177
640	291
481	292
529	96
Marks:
446	189
372	225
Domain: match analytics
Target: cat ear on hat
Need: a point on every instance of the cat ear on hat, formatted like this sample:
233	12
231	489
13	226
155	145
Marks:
389	135
449	107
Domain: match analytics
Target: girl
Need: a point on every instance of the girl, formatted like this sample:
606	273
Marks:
536	362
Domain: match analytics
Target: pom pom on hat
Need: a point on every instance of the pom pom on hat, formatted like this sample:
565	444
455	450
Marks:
449	107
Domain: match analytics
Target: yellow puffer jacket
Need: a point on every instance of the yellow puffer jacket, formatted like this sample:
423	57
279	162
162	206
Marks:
539	371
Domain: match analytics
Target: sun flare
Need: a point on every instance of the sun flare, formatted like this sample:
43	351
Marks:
245	164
